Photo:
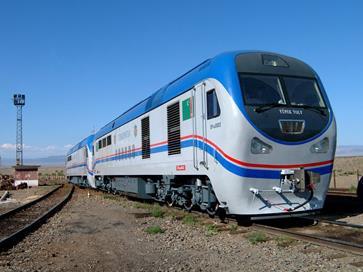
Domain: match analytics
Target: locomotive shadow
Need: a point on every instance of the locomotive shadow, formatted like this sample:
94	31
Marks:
338	207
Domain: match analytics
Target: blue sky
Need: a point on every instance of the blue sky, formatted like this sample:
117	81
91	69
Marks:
82	63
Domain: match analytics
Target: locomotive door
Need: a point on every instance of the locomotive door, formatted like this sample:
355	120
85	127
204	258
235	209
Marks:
200	158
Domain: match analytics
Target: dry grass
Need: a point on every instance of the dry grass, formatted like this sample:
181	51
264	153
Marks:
346	171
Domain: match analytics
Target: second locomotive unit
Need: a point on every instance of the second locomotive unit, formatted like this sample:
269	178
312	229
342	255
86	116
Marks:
244	133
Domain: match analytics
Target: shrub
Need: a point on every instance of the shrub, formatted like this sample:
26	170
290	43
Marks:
112	197
233	228
189	220
284	241
211	230
157	212
257	237
140	205
154	230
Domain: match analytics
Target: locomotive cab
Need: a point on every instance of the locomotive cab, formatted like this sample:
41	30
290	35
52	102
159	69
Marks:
283	98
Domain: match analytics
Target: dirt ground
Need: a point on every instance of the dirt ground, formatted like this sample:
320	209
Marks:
346	172
22	196
109	233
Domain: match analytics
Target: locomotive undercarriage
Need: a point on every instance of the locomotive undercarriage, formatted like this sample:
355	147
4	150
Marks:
185	191
81	181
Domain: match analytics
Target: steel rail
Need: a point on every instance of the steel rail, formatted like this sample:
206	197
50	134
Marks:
334	222
27	205
342	193
17	236
318	240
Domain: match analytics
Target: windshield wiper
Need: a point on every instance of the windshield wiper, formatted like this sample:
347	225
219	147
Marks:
320	110
266	107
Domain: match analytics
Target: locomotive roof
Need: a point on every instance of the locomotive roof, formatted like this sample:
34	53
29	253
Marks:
86	141
223	67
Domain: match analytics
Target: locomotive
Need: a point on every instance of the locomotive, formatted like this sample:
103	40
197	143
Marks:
247	133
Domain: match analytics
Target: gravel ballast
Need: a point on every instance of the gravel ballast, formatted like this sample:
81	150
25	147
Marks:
105	233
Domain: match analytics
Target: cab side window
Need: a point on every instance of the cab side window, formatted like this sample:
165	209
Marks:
213	109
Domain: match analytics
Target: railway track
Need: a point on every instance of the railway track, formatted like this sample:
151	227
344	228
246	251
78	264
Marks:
346	237
342	193
333	222
330	233
16	223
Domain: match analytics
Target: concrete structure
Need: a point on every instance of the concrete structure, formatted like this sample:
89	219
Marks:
26	174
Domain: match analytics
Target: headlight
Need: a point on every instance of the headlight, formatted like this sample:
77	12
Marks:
320	147
259	147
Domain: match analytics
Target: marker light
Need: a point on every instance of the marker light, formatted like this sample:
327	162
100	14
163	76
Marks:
320	147
259	147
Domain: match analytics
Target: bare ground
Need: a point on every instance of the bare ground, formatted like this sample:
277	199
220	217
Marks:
105	233
22	196
346	169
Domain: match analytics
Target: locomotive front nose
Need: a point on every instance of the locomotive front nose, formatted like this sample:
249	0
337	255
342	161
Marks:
292	181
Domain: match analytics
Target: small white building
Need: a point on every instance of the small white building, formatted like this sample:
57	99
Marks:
26	174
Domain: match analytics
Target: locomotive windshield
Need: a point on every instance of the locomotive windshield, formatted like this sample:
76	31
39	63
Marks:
302	91
259	90
262	90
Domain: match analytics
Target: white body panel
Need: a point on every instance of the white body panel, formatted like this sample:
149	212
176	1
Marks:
80	166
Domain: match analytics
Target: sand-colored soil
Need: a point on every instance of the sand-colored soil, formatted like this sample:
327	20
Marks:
346	170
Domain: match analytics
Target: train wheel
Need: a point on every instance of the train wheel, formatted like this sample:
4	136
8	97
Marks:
212	210
360	189
169	201
222	214
188	202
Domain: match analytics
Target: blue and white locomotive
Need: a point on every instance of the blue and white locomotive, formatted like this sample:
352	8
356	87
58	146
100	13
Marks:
244	133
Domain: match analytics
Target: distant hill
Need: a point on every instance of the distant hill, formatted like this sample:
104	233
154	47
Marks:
349	150
47	161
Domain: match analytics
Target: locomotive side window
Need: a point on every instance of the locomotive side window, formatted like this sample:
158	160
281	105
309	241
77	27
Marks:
262	90
109	140
173	114
145	138
213	109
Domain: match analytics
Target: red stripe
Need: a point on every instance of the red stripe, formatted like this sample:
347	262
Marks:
256	165
242	163
160	143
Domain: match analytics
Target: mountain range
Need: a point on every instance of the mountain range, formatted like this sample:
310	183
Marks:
47	161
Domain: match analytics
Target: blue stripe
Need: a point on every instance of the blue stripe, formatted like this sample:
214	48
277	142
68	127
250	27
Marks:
231	167
76	166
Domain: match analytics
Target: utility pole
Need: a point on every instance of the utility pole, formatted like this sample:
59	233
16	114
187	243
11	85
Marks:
19	102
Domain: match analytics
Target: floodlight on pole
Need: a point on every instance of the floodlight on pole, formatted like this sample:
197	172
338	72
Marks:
19	102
